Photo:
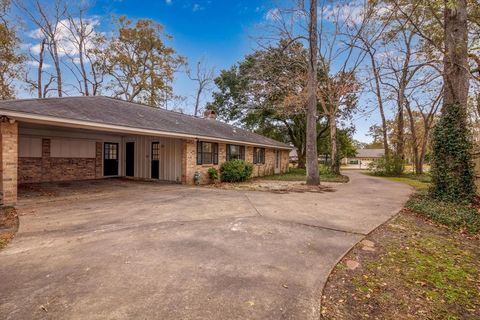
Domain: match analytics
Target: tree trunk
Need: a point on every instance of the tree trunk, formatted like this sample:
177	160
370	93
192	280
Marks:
301	159
58	70
333	145
413	130
82	68
197	101
313	177
40	69
456	69
378	93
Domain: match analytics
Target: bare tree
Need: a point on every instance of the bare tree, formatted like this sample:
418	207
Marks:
42	88
48	20
339	62
86	41
203	76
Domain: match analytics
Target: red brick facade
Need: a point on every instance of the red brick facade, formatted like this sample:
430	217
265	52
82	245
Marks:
189	162
47	169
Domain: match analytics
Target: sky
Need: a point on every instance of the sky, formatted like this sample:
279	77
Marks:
221	32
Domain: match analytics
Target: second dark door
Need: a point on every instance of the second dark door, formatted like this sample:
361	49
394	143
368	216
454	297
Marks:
155	160
130	159
110	159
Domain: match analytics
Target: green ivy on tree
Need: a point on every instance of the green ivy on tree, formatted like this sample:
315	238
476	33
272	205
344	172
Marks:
452	169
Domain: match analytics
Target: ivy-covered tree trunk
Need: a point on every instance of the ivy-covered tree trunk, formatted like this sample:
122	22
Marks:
452	170
452	167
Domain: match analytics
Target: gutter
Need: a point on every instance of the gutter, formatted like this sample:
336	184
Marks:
82	124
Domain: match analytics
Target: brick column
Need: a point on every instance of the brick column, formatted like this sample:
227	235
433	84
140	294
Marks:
8	161
46	172
98	160
189	161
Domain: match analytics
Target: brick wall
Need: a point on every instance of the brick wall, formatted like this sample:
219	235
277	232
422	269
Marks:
8	162
46	168
189	162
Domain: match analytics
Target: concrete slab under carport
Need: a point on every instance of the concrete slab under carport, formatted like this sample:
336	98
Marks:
117	249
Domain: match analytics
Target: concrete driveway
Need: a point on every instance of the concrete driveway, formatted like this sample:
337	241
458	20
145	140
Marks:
117	249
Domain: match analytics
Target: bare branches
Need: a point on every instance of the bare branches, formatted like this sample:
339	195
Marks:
203	76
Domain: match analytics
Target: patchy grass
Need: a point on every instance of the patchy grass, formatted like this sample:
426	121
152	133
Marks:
272	186
419	182
296	174
462	217
8	225
415	270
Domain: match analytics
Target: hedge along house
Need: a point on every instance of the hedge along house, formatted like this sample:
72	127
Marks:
78	138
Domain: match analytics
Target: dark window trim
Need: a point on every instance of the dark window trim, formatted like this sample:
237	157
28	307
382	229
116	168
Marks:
242	151
258	155
201	154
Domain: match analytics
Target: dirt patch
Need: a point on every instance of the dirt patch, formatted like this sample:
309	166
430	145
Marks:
274	186
8	225
407	269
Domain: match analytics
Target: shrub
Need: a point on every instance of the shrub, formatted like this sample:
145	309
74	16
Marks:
213	174
324	169
387	167
236	170
452	170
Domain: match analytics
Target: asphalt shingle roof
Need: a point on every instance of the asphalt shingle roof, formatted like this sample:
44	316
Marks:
370	153
104	110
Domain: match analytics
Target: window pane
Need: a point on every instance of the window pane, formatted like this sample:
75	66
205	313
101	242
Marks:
234	152
207	147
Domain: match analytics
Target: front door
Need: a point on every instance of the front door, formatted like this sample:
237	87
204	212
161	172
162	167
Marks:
130	159
110	159
277	161
155	160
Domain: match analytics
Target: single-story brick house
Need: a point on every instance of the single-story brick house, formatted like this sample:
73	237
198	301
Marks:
75	138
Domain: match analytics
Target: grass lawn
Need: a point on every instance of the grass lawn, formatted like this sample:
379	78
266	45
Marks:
425	263
419	182
414	270
296	174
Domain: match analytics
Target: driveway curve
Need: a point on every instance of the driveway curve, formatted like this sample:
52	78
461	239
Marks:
119	249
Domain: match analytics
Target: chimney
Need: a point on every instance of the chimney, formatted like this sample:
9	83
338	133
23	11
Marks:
210	114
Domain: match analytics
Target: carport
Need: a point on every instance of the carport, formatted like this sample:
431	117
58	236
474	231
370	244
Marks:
52	153
80	138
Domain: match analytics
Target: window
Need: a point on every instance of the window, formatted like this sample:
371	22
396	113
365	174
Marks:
110	151
353	161
207	152
155	151
235	152
259	155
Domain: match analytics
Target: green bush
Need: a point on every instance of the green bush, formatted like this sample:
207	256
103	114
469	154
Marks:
213	174
236	170
324	169
455	216
453	177
393	166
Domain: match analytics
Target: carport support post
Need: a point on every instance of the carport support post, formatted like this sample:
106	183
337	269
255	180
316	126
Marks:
8	161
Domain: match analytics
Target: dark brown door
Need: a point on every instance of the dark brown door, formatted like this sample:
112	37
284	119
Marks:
110	159
155	160
130	159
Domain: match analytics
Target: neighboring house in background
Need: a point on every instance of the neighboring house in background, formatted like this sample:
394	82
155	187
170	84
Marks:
77	138
363	158
293	156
